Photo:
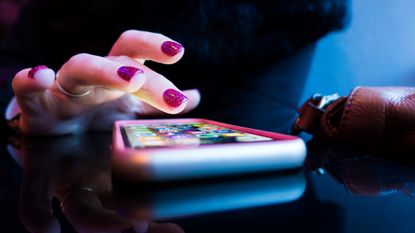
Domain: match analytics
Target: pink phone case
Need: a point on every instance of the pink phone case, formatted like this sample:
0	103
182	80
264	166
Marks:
176	163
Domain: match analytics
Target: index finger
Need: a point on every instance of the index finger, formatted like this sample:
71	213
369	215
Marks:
149	46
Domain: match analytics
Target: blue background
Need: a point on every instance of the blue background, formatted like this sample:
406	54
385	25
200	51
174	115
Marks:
376	49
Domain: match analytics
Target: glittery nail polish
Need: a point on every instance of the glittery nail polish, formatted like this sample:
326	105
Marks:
171	48
128	72
32	72
174	98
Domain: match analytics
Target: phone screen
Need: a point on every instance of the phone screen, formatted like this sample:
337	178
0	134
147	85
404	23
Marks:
187	134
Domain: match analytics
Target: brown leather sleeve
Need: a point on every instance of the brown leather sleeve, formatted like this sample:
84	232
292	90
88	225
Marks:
375	116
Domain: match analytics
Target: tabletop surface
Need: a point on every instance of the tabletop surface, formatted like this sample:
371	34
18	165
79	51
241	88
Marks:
339	189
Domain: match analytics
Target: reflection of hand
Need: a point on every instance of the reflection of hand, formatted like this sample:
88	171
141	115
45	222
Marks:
90	92
78	170
362	172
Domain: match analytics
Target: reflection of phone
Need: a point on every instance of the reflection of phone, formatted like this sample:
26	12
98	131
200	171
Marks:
175	201
174	149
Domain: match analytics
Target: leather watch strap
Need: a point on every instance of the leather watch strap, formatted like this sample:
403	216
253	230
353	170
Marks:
311	112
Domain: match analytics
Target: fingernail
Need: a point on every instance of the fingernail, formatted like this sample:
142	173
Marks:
34	69
171	48
174	98
128	72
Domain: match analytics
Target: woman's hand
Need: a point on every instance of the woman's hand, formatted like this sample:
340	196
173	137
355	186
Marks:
90	92
76	170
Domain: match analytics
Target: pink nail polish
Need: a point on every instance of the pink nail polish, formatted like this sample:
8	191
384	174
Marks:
174	98
127	72
34	69
171	48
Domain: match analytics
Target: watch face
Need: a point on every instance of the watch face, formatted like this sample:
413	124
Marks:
188	134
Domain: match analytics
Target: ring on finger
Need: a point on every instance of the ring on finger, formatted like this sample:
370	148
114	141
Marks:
72	191
69	94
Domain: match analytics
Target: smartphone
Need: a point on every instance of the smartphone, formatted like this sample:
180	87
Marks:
176	149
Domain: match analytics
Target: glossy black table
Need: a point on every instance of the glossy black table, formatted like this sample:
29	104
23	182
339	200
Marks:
339	189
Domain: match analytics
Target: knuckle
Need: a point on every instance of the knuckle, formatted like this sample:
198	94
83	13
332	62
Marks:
82	61
81	67
78	59
140	35
127	35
